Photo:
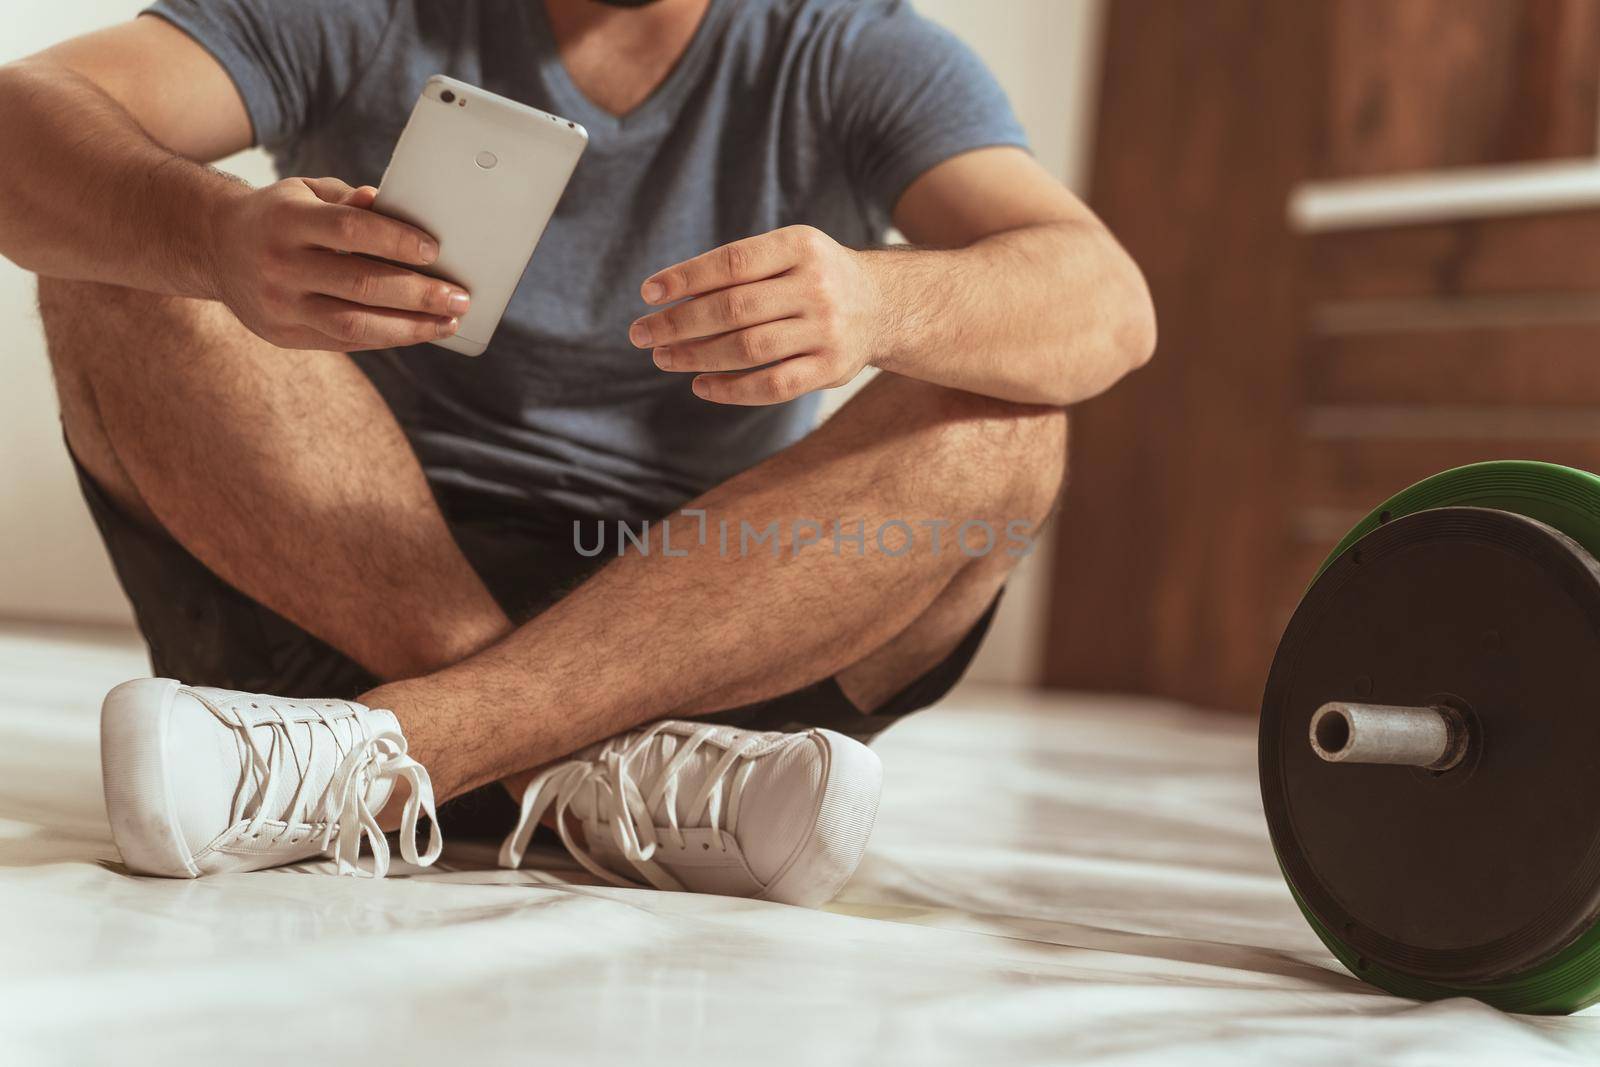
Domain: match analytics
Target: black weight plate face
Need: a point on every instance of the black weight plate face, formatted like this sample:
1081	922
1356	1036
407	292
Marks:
1480	871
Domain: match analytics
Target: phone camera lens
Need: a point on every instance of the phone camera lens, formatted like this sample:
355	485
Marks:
447	97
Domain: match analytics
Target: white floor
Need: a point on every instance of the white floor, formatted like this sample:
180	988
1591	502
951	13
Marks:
1051	880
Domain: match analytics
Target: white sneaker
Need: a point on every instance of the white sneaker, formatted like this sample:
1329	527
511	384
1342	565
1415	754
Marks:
711	809
206	781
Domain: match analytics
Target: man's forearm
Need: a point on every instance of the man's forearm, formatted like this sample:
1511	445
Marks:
86	194
1049	314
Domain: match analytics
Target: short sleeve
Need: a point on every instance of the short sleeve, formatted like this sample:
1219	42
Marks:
906	95
291	60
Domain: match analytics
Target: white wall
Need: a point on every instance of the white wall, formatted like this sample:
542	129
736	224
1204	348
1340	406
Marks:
51	563
1046	54
52	566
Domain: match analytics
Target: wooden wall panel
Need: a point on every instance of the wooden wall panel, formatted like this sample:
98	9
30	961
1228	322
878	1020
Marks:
1555	364
1301	379
1166	564
1552	253
1435	345
1425	84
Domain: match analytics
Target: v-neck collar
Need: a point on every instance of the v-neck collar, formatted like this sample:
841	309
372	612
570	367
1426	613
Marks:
654	110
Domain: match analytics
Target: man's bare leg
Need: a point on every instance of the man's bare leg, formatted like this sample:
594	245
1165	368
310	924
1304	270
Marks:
282	471
651	637
229	443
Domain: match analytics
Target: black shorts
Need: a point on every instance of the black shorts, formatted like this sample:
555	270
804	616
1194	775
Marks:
203	631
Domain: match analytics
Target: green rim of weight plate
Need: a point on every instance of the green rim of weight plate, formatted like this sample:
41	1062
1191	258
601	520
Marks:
1568	500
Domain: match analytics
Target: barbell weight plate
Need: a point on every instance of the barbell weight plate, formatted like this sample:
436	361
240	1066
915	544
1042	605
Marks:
1562	497
1483	880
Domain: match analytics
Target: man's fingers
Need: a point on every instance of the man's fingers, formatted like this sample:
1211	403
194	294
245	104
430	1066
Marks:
353	229
718	312
336	191
329	190
741	349
769	385
365	281
353	327
743	261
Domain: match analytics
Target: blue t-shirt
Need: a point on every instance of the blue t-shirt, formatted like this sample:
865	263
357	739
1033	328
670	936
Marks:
779	112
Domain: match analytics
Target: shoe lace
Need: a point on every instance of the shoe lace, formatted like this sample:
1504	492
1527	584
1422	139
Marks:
630	801
365	757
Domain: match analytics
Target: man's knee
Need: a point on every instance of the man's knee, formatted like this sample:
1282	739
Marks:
1015	455
84	321
1038	443
994	458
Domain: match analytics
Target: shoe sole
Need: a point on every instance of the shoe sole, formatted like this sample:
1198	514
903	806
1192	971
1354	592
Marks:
820	868
133	767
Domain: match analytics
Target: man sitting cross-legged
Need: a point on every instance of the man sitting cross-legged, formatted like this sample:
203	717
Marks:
406	537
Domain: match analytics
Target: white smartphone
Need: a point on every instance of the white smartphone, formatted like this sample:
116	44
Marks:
482	174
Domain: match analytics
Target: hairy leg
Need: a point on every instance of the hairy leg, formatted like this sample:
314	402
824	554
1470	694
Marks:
282	471
871	681
657	636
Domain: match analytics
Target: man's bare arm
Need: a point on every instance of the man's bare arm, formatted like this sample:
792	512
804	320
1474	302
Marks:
103	178
1017	292
89	192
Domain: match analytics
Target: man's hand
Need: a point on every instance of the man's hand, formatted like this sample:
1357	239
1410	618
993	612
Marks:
765	319
277	265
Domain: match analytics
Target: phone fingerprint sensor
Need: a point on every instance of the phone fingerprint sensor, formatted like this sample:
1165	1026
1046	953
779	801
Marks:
487	160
